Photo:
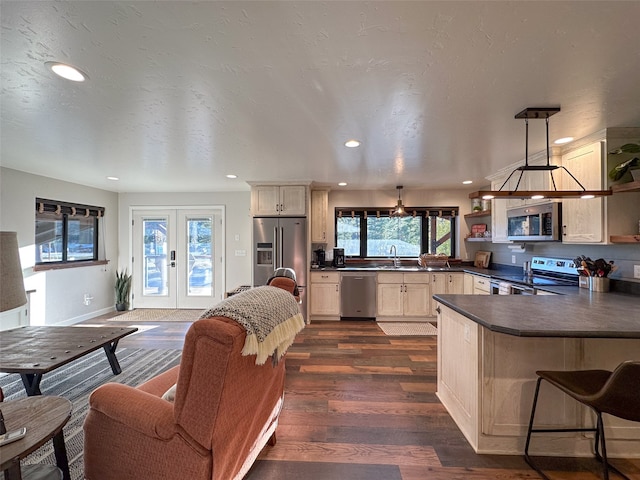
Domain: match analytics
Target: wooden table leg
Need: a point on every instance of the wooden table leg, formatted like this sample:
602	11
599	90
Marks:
31	383
60	451
13	472
110	350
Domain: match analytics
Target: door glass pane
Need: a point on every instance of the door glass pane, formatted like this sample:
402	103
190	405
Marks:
155	256
200	272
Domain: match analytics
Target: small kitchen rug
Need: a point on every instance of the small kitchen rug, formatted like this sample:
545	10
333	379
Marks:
408	328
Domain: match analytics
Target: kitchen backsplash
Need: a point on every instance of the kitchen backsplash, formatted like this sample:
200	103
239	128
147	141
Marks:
624	256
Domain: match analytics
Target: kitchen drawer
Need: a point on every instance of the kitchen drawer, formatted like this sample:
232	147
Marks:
482	283
416	278
390	277
325	277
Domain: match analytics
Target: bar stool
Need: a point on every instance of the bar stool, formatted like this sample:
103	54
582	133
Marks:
616	393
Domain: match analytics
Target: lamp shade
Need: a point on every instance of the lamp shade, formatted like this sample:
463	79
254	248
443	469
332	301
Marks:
12	294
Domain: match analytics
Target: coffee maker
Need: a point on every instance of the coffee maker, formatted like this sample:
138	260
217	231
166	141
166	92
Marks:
338	257
320	257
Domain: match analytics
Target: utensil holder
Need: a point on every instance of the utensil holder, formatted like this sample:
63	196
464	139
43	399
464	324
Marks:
599	284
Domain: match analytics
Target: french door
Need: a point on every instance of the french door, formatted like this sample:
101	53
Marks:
177	257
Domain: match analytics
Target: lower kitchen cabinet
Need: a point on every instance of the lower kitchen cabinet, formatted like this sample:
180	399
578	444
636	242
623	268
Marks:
403	295
468	284
324	294
441	283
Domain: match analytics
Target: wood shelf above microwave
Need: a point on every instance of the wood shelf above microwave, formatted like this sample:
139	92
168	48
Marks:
482	213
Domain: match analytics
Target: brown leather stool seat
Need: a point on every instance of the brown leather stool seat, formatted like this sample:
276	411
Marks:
616	393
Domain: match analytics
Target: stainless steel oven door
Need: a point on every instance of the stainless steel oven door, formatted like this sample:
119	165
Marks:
522	290
506	288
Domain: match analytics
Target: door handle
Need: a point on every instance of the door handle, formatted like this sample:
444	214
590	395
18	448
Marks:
173	258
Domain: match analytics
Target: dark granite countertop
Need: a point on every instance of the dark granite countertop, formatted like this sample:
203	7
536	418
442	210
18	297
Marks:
579	314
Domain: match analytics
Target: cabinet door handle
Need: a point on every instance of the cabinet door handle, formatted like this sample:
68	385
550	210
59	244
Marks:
405	289
438	309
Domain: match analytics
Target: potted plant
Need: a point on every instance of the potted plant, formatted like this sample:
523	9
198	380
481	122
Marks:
632	165
123	288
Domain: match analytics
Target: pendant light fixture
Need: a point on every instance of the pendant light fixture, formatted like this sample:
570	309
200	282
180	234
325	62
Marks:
537	113
399	211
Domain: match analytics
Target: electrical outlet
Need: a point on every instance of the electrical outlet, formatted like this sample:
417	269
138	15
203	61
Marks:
87	299
513	259
636	271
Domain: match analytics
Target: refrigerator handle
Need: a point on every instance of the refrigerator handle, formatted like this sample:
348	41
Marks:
275	249
281	248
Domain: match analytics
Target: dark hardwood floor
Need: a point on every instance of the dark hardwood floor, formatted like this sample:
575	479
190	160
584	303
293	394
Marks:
360	405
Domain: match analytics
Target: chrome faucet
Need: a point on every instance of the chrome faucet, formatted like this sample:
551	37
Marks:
394	251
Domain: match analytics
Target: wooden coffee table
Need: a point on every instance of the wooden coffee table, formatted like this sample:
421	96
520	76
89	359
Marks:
44	417
34	351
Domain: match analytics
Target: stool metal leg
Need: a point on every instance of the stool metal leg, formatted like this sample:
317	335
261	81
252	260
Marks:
530	430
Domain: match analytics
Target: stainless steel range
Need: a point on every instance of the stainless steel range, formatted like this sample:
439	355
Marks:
544	272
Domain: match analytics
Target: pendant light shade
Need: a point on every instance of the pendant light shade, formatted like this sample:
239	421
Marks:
12	294
399	210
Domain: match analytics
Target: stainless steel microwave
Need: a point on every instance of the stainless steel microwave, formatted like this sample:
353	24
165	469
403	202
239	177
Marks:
537	223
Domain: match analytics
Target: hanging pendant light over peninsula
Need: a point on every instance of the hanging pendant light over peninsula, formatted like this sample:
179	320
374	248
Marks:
538	113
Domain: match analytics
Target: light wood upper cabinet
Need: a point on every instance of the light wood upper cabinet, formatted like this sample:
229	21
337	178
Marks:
319	216
583	219
499	213
286	200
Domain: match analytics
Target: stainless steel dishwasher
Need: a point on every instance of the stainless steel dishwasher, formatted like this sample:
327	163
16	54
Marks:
357	295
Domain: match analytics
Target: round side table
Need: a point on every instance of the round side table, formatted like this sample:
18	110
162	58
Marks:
44	417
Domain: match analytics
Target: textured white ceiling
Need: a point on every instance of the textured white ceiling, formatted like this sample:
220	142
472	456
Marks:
182	93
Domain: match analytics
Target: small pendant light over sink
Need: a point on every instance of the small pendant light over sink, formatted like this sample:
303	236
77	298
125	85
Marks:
526	114
399	211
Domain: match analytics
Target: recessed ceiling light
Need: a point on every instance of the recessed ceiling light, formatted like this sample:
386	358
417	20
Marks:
342	184
352	143
587	197
467	182
537	197
487	197
67	71
562	141
113	178
231	175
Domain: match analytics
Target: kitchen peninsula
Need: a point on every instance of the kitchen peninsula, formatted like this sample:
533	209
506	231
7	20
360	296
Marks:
489	349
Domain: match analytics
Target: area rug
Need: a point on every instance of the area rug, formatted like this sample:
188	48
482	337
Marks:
408	328
76	381
159	315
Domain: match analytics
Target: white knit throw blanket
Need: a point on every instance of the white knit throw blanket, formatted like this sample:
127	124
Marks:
271	316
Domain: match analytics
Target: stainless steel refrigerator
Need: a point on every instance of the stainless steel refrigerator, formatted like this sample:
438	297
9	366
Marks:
280	242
